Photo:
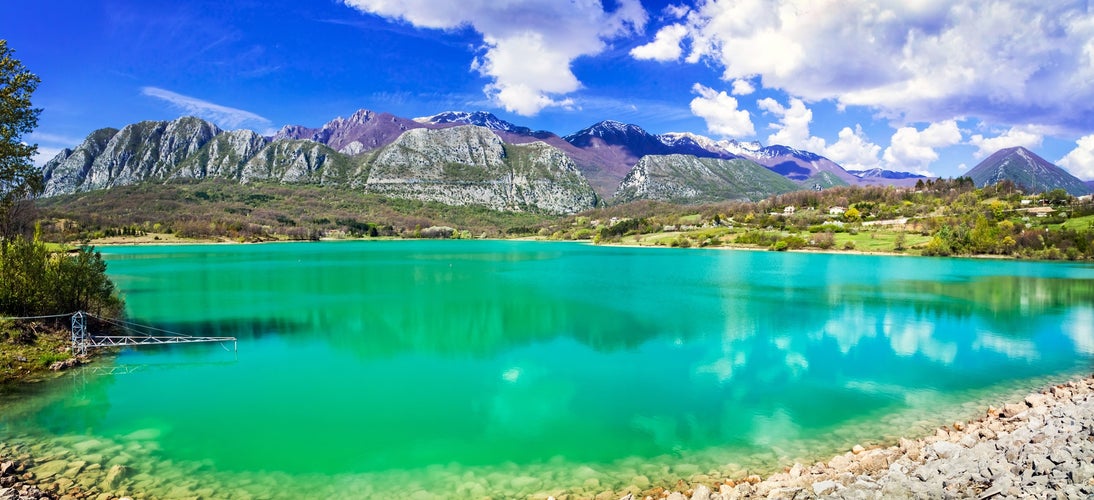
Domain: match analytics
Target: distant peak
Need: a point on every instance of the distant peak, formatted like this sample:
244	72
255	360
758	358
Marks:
609	128
480	118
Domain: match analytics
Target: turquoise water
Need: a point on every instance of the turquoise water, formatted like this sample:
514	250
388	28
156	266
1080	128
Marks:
460	369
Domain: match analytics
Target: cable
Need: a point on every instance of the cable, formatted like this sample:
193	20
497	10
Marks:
132	326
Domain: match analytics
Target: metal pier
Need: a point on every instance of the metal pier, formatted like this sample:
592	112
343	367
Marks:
82	340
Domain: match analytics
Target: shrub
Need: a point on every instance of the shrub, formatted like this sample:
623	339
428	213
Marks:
824	240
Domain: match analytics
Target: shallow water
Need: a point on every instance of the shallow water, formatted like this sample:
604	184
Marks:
517	368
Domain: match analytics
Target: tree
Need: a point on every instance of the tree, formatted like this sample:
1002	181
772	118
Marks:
20	181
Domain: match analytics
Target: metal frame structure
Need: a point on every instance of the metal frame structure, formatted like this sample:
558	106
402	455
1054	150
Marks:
79	334
82	340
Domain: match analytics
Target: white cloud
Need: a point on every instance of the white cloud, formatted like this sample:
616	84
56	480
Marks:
1080	161
1028	137
49	145
720	112
528	45
792	128
743	87
913	150
1002	61
223	116
853	150
54	139
44	154
665	45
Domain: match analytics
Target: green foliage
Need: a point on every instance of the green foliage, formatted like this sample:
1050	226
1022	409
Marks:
759	238
48	358
937	247
20	181
827	228
789	243
34	281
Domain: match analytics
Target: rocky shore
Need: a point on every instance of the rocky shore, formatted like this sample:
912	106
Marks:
1040	447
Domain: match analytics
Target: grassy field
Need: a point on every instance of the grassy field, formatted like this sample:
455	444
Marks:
1079	223
881	241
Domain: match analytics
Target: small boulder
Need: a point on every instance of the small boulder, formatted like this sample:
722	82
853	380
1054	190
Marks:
50	469
945	449
825	487
1038	400
115	475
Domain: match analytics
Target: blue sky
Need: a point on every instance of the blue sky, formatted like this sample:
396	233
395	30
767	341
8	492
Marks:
929	86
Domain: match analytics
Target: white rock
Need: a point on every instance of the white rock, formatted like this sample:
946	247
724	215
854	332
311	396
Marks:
825	487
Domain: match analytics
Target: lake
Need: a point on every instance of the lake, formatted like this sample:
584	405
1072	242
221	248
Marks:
456	369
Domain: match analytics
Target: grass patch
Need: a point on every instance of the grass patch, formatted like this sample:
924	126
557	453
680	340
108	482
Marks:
1079	223
880	241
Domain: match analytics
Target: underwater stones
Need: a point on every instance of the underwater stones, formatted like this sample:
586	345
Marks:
522	483
85	446
115	475
50	469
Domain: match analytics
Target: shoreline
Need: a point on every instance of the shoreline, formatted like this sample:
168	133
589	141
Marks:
140	242
1041	445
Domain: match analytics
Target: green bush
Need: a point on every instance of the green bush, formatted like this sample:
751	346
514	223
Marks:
35	282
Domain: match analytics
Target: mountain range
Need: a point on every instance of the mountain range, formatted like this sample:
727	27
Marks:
458	158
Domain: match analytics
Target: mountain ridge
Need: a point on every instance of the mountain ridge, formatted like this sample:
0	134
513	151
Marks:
346	151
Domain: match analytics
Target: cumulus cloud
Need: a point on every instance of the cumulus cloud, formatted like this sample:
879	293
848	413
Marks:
223	116
853	150
743	87
913	150
528	46
792	127
720	112
1002	61
1080	161
1028	137
665	45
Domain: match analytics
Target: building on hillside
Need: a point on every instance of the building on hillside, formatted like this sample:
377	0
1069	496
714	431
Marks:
836	211
789	210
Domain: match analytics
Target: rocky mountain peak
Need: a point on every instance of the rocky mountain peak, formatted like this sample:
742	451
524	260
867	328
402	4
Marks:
1027	170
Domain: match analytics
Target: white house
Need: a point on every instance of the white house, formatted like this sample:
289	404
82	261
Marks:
836	211
788	210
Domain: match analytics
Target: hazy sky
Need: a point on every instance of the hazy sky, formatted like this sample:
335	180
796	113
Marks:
916	85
